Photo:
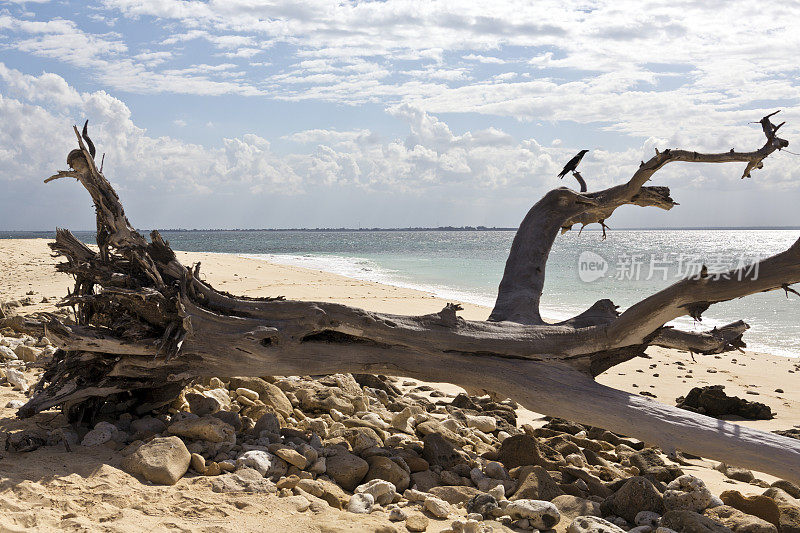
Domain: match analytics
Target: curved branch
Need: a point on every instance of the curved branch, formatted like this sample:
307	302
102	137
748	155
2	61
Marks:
520	289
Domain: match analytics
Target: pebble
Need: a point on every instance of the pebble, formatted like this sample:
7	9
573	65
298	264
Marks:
417	522
540	514
361	503
435	506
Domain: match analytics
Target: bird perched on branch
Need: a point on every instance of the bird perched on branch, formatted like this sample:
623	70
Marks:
571	166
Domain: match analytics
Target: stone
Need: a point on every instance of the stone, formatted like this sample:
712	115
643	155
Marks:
738	521
299	502
426	480
16	379
103	432
198	463
519	450
437	507
404	421
269	423
735	472
790	488
636	495
690	522
15	404
650	463
263	462
438	451
202	405
383	492
483	504
361	503
647	518
250	394
293	457
7	354
207	428
540	514
712	401
29	354
397	514
487	424
146	427
384	468
163	460
761	506
244	480
272	396
417	522
686	493
346	469
592	524
454	495
536	484
571	507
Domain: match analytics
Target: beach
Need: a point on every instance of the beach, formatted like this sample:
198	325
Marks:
52	489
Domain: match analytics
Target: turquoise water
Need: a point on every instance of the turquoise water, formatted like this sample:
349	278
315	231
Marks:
468	265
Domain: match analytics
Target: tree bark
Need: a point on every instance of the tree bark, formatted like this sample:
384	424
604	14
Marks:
147	326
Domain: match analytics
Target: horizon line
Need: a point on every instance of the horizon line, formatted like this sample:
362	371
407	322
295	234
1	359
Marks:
419	228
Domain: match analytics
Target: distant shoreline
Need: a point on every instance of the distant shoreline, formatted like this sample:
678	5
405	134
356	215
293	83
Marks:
14	234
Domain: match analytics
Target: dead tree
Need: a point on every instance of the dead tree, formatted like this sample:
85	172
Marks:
147	325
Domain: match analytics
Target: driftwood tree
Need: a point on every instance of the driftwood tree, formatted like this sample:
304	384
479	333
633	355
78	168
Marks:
147	325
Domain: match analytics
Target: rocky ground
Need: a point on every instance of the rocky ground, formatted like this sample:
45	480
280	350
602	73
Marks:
407	454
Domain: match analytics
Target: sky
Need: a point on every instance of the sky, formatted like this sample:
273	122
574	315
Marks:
276	114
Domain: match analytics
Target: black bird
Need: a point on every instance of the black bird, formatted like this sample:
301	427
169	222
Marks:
572	164
89	143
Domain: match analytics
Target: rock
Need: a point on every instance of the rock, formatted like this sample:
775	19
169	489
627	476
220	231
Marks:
323	400
540	514
202	405
483	504
245	480
435	506
15	404
636	495
571	507
386	469
536	484
102	433
647	518
29	354
790	488
7	354
712	401
519	450
487	424
438	451
270	394
396	514
455	495
263	462
738	521
650	463
207	428
686	493
293	457
198	463
330	492
16	379
417	522
691	522
250	394
361	503
162	460
592	524
789	518
425	480
735	472
269	423
146	427
382	492
763	507
346	469
403	421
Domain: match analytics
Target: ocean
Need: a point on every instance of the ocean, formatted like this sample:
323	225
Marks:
467	266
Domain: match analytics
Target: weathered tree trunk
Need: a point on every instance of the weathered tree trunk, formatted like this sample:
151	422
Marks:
147	325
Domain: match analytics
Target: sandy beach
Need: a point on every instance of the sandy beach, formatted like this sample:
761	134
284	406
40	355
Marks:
52	489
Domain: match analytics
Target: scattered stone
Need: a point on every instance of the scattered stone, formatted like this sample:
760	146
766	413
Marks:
455	495
438	451
435	506
636	495
761	506
102	433
386	469
207	428
263	462
162	460
361	503
482	504
293	457
738	521
16	379
540	514
518	450
382	492
417	522
686	493
593	524
346	469
691	522
712	401
536	484
737	473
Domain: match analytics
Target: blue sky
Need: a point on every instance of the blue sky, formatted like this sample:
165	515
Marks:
244	113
